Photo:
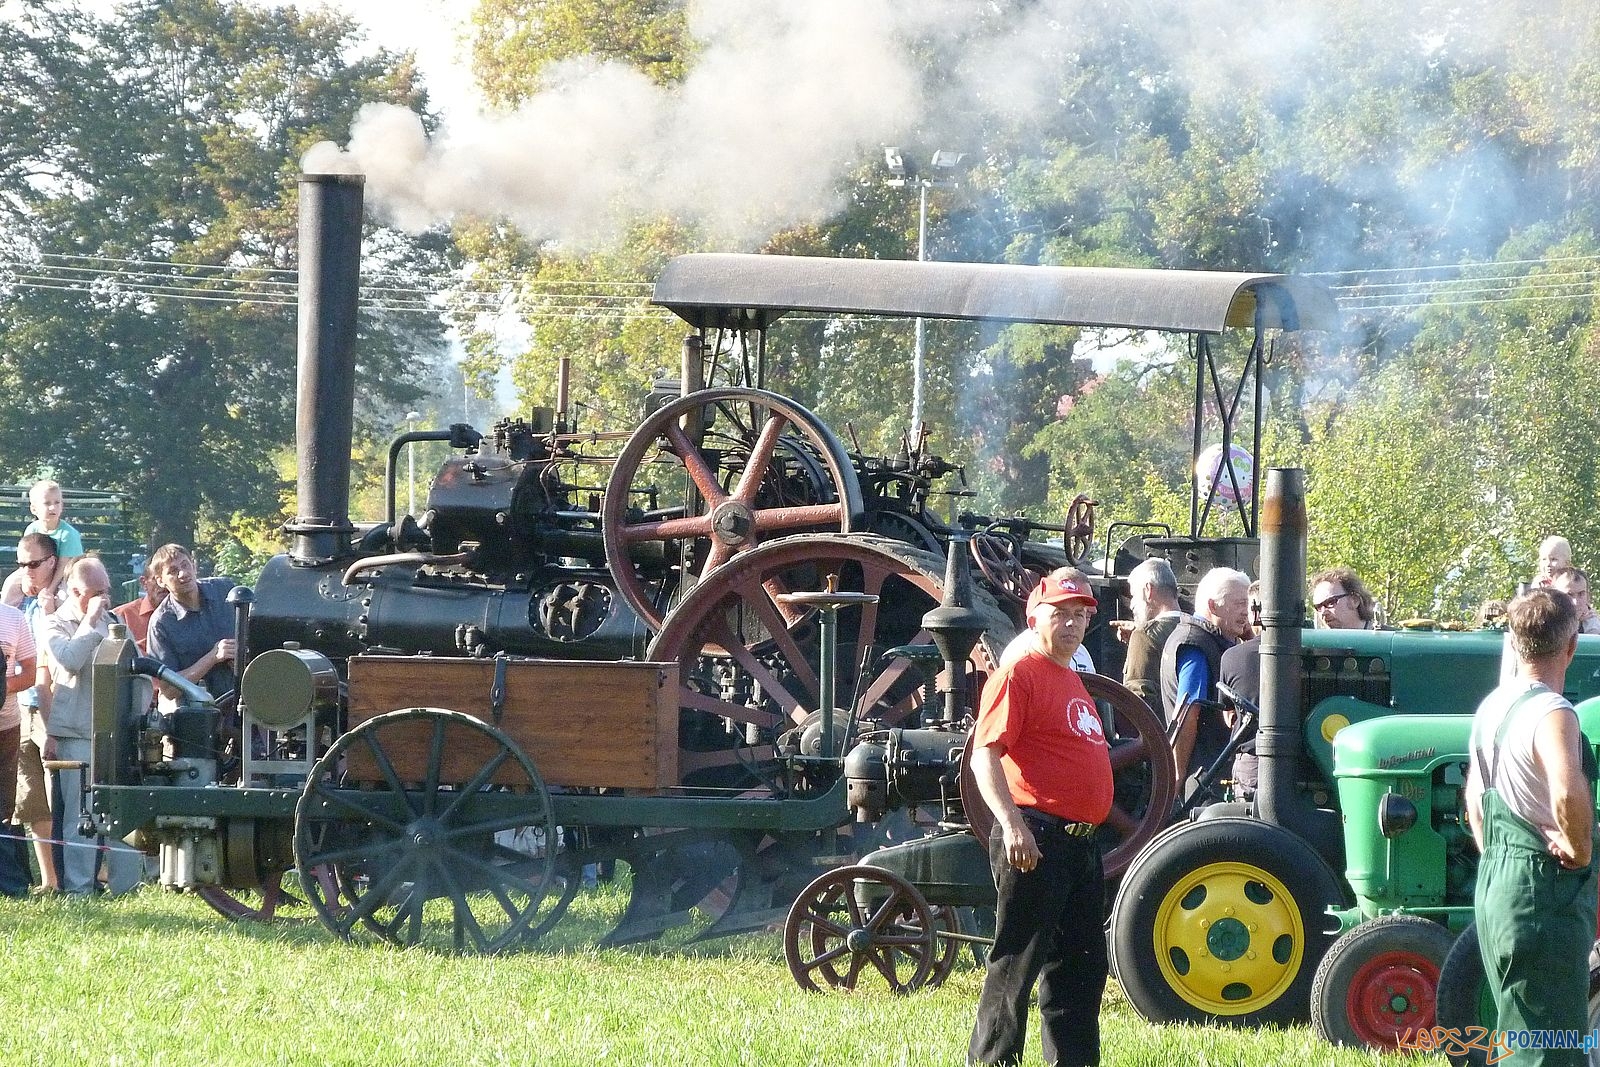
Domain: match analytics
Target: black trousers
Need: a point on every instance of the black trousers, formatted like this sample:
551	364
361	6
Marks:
1047	930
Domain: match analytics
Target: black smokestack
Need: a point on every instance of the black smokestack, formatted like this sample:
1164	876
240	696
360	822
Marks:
1284	527
330	284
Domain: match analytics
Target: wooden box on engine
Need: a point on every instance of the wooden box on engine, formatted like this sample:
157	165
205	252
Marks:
607	724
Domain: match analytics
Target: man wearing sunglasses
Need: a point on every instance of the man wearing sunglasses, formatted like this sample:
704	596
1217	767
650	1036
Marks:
1340	601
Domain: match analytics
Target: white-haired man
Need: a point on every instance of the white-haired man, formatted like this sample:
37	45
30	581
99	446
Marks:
1191	663
1153	589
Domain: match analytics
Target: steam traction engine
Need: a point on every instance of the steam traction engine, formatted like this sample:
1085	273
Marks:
446	720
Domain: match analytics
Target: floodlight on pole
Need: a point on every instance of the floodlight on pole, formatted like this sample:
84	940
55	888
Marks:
946	165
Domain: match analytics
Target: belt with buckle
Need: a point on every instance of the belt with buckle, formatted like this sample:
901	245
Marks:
1056	822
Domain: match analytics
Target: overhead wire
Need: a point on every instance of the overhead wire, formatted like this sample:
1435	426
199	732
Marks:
1401	289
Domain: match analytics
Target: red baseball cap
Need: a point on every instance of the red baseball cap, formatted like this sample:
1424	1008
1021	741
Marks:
1060	591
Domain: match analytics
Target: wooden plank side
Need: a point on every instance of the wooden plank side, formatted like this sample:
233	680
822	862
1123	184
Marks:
584	724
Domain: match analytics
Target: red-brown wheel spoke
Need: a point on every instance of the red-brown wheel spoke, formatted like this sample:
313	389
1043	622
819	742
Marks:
1120	821
823	921
872	579
742	756
848	981
690	698
778	627
760	458
1127	755
890	908
891	674
700	472
770	682
721	552
771	520
857	918
776	587
884	962
668	529
823	959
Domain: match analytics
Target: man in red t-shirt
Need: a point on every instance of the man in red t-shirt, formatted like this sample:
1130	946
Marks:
1039	755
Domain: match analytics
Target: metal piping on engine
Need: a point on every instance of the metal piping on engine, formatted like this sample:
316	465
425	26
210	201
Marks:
330	286
1284	526
408	559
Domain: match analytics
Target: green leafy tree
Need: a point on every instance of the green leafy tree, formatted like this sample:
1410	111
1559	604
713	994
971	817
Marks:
169	380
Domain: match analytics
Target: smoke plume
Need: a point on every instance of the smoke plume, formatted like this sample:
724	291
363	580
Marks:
785	99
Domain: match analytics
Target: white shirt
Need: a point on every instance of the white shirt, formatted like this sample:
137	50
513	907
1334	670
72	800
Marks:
1028	641
1517	777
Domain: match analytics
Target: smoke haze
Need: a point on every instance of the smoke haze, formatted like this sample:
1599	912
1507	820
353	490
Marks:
785	99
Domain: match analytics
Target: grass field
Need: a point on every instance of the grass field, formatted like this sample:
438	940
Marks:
159	979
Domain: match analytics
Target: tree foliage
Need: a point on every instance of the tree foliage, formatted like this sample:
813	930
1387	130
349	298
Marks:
170	136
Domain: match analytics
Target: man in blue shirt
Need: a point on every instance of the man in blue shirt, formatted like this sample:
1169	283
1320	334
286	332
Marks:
1191	664
193	630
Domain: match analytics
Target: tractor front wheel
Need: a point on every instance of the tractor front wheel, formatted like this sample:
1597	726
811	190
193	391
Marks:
1379	981
1223	921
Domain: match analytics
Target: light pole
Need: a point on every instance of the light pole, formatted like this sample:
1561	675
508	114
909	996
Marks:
411	464
903	172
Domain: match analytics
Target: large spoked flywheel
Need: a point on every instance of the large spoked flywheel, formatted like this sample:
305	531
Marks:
438	832
711	476
748	662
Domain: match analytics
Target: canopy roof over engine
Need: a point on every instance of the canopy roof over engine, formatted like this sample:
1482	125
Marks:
741	291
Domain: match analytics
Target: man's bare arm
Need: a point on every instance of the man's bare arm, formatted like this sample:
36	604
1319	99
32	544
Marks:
1556	742
1022	851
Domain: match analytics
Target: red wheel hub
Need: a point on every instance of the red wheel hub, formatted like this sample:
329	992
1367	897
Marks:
1391	993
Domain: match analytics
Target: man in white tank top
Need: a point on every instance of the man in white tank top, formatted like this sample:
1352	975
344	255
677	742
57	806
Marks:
1530	803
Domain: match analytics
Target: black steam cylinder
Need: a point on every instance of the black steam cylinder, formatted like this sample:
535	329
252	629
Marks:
1283	609
330	280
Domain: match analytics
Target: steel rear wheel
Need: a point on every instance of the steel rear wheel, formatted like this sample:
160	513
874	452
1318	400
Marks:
1223	921
1380	980
439	832
749	664
862	923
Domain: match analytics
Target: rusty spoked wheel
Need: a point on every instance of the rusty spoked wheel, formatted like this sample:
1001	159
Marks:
261	903
858	922
440	834
997	555
1078	537
748	663
751	465
1144	782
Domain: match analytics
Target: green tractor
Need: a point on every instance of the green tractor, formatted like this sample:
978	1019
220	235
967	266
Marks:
1337	893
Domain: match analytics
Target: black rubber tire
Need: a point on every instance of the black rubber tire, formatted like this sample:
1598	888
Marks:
1464	1000
1184	882
1378	980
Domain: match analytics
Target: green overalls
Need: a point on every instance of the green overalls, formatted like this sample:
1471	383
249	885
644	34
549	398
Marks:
1536	921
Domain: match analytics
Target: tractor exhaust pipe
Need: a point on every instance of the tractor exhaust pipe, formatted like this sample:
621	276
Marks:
330	285
1283	610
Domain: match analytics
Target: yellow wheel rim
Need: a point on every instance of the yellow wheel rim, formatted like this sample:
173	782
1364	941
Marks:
1228	938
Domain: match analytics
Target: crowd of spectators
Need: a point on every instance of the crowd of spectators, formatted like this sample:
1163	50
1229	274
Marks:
55	610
